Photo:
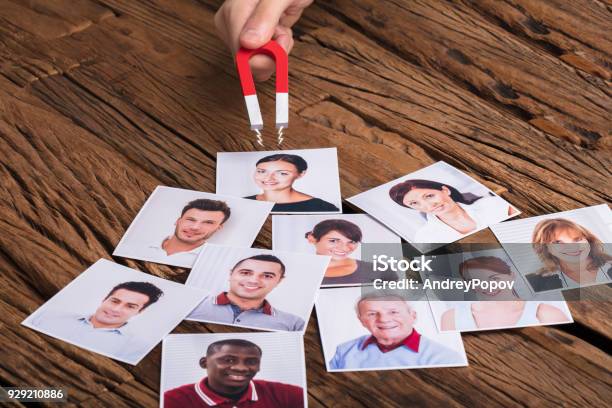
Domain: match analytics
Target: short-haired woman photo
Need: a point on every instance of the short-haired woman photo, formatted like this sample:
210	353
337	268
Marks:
339	239
275	175
449	214
501	308
572	256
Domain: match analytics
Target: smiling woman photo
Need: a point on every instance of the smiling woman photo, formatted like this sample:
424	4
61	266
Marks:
448	213
339	239
275	175
496	309
572	256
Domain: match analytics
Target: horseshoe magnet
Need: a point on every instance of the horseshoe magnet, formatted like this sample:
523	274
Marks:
278	54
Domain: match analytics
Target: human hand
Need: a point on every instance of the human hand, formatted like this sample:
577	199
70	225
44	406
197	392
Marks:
252	23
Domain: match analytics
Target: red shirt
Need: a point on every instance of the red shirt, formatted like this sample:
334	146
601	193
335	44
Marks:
259	394
222	299
412	342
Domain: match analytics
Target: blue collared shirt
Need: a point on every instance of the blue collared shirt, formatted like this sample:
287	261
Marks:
353	355
117	343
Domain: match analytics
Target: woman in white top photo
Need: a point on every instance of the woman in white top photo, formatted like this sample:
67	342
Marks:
448	213
572	256
496	309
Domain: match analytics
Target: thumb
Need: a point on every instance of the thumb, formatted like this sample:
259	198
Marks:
259	28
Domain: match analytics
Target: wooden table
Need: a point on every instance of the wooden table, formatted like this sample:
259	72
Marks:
102	100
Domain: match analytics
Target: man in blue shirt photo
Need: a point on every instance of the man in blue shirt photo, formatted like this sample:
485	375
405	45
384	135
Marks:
104	331
393	341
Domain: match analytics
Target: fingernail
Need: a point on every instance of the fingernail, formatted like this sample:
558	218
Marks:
251	34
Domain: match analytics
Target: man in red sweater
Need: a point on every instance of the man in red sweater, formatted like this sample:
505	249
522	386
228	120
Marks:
231	365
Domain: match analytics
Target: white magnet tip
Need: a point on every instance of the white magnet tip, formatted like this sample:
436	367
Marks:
282	109
252	106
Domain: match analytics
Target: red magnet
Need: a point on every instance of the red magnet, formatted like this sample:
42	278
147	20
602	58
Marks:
276	52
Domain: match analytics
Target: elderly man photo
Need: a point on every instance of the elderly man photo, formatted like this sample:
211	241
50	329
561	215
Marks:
393	341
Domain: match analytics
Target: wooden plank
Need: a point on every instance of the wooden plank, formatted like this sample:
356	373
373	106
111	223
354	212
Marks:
52	18
517	77
522	368
24	60
161	107
569	30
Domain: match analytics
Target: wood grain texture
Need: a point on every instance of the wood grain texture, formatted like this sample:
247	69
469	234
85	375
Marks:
504	70
100	101
569	30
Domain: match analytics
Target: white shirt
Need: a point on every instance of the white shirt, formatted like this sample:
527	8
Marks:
484	211
601	277
465	321
156	253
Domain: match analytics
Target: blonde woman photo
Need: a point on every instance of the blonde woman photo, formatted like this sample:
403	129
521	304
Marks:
572	256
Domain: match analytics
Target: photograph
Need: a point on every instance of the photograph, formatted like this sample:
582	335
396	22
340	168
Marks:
382	330
339	236
499	300
256	288
435	205
565	250
174	224
233	370
115	311
297	181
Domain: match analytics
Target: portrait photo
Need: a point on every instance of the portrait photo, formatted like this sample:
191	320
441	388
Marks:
233	369
115	311
476	263
438	204
174	224
340	236
501	300
382	330
565	250
297	181
256	288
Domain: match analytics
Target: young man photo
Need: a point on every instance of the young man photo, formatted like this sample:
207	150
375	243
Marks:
106	329
231	366
245	304
200	219
174	224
